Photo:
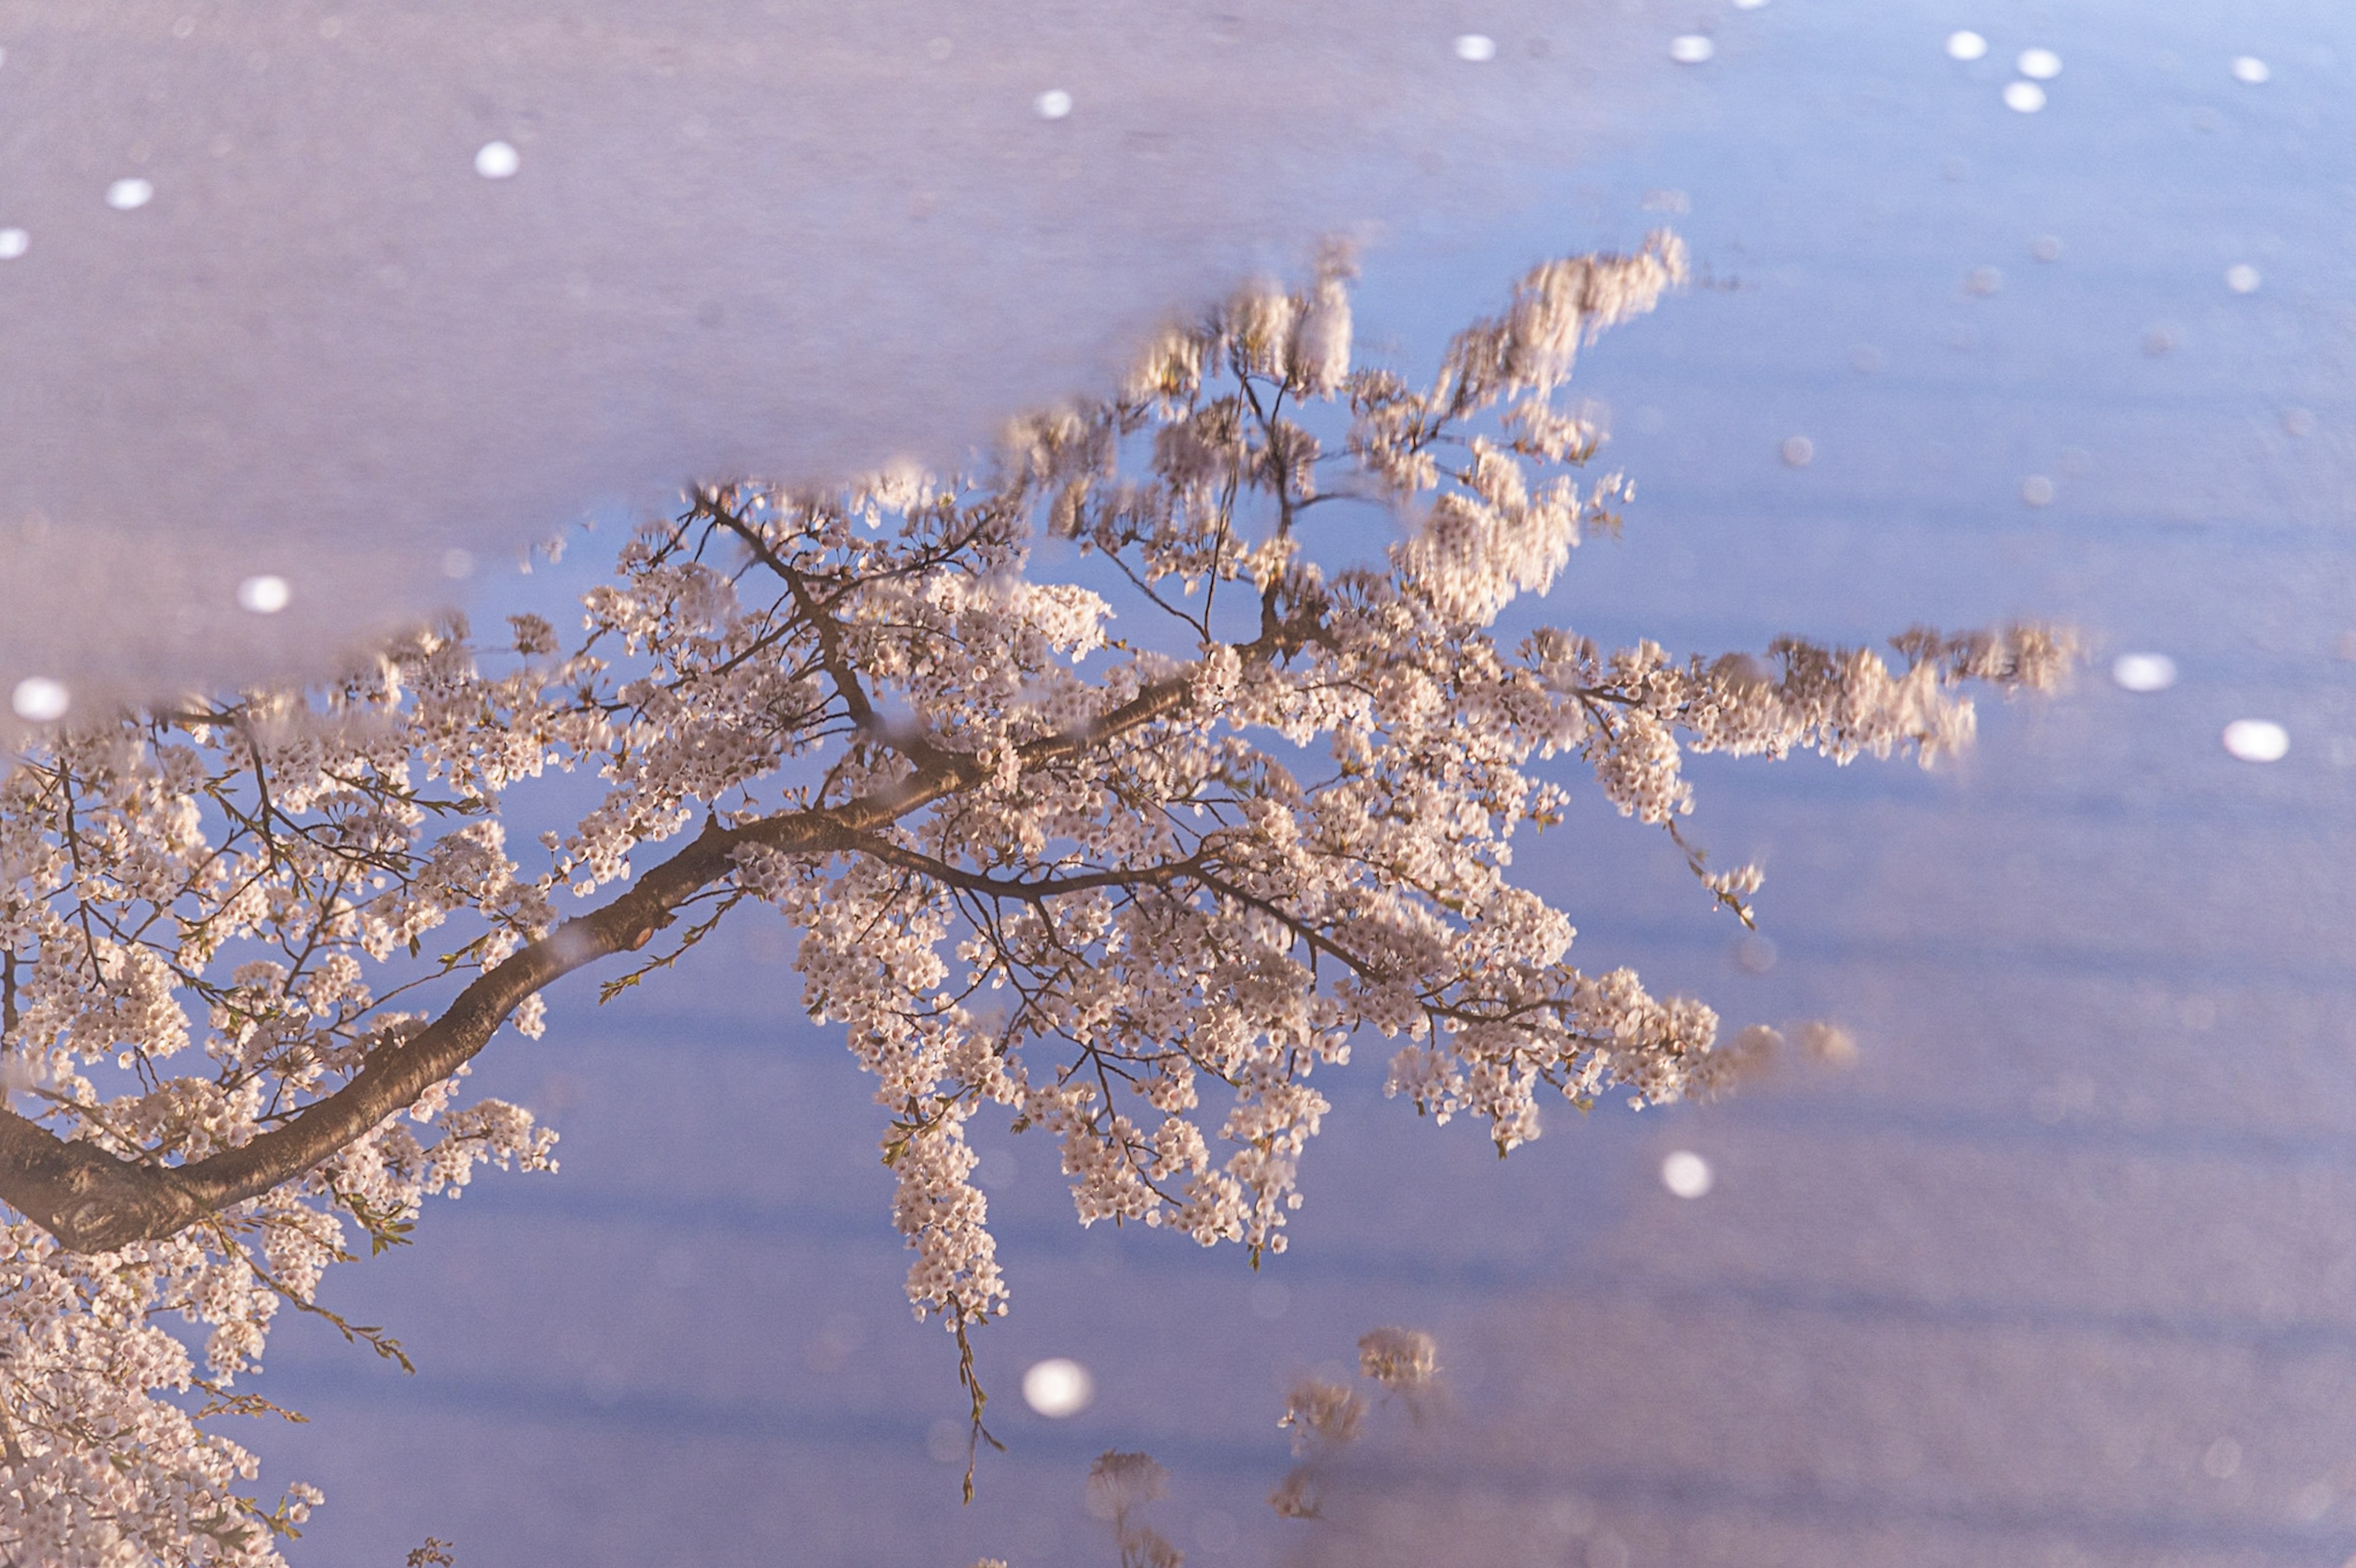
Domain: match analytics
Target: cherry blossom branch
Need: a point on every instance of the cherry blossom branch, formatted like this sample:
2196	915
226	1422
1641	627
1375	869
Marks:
93	1201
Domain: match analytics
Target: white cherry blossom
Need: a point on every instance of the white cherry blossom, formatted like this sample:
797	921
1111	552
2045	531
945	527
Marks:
1133	861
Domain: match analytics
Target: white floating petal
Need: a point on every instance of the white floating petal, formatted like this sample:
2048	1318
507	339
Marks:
2250	71
1691	49
1052	104
40	700
2023	97
2257	739
14	243
1475	47
128	193
263	596
1057	1387
1686	1174
2143	672
1966	45
496	160
2040	65
2242	278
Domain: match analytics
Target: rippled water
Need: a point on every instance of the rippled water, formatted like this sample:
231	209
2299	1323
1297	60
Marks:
2062	1271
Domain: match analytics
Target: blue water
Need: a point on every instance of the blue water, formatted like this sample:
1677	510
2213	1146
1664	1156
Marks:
2062	1272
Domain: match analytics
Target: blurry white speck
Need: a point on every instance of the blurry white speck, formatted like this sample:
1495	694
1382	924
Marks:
457	563
2023	97
2251	740
1475	47
2250	70
264	595
40	700
1966	46
1053	103
1749	4
2042	65
2144	672
1686	1174
1057	1387
945	1441
14	243
1799	452
496	160
2037	490
125	193
1691	49
2046	248
1984	281
2242	278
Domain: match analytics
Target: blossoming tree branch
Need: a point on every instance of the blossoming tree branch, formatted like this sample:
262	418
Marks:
1127	864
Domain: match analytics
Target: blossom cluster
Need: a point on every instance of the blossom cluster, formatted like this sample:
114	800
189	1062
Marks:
1126	856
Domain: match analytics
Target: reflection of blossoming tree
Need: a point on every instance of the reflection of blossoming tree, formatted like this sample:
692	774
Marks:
1034	864
1325	1416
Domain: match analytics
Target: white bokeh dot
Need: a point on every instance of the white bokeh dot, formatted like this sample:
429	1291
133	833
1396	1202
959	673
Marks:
1966	45
2023	97
1057	1387
2257	739
2242	278
2143	672
2037	490
496	160
128	193
1052	104
1799	450
1686	1174
1475	47
2250	71
263	596
1691	49
2039	65
14	243
1749	4
40	700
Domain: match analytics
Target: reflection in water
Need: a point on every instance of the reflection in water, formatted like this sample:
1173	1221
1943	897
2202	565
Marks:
2061	1275
792	237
